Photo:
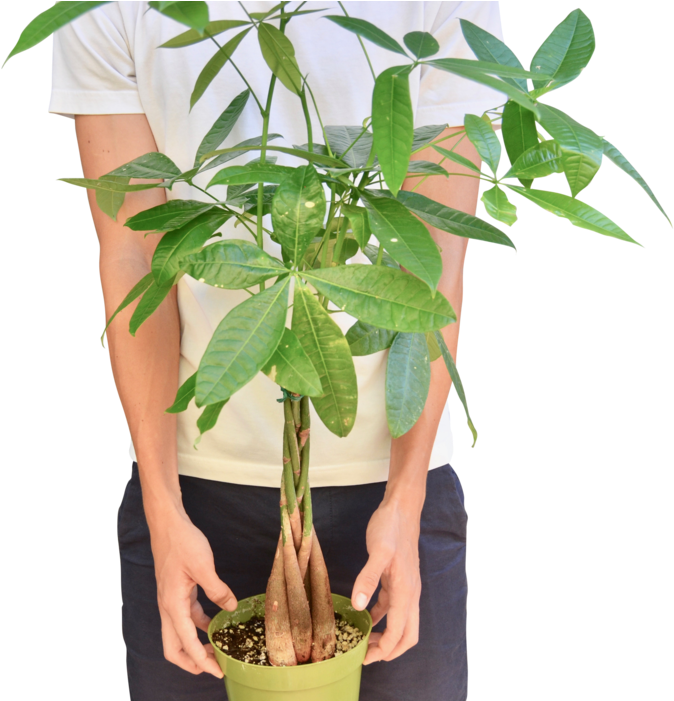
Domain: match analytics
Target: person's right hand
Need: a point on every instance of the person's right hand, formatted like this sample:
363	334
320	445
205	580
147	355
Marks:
183	558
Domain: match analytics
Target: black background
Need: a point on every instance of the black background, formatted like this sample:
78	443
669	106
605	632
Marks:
555	349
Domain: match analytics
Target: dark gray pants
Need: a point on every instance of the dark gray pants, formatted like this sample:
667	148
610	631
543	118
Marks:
242	524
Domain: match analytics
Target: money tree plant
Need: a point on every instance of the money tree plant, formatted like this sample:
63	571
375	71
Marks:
343	195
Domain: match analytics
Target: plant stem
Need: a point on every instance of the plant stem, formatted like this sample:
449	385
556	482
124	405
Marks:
291	436
362	46
252	92
307	119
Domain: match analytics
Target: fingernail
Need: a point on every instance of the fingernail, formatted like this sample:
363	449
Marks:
361	601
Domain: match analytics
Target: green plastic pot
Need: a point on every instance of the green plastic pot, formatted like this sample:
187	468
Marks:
337	679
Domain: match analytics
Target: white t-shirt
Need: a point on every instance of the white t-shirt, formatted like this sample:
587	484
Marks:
107	62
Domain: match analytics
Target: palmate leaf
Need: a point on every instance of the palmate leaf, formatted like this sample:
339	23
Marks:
382	296
537	162
408	379
191	14
208	418
184	395
404	237
422	136
299	153
108	185
456	381
365	339
214	66
177	244
236	151
612	153
497	205
427	167
279	53
47	22
452	220
360	223
565	53
251	173
137	290
223	126
368	31
581	146
487	47
232	265
328	350
150	166
518	126
192	36
577	212
242	344
150	301
457	158
483	138
393	124
421	44
165	217
291	368
297	211
110	202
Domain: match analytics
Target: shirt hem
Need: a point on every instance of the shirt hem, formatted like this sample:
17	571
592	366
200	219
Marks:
71	102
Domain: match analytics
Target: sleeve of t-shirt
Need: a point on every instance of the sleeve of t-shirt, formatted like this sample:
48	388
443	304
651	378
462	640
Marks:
445	98
93	70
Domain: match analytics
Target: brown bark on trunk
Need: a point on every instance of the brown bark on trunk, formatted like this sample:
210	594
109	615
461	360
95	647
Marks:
277	619
322	609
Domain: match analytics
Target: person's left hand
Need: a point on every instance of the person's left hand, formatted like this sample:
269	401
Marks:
393	547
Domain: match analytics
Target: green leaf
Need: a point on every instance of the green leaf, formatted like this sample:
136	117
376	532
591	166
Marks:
235	151
456	381
242	344
518	126
565	53
484	67
365	339
48	22
297	211
393	124
581	146
223	126
232	265
214	66
191	14
153	297
427	167
497	205
109	185
457	158
299	153
421	44
192	36
165	217
137	290
340	140
349	250
328	351
483	138
372	253
537	162
487	47
149	166
184	396
612	153
208	418
424	135
408	379
452	220
404	237
384	297
478	75
577	212
177	244
434	351
291	368
279	53
360	223
251	173
110	202
368	31
263	15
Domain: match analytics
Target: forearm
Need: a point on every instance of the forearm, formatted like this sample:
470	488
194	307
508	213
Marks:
145	368
411	453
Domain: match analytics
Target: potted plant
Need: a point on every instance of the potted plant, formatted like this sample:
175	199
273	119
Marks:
346	192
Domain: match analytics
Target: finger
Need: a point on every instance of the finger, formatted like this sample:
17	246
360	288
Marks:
173	651
368	580
186	631
216	590
201	620
380	609
396	621
410	636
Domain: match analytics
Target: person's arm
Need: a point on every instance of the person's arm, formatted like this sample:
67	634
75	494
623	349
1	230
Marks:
145	369
393	531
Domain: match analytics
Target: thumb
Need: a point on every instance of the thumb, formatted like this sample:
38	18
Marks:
217	591
368	581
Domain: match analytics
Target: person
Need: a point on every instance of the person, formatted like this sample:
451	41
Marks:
198	528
